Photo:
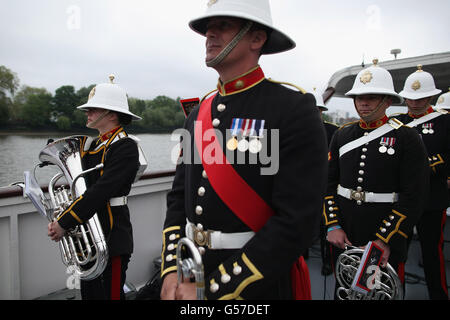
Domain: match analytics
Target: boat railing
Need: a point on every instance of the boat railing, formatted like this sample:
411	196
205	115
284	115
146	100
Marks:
30	263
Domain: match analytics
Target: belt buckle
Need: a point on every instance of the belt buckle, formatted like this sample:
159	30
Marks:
395	123
202	238
358	195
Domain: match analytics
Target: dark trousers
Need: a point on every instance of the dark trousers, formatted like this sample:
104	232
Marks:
109	285
430	229
324	245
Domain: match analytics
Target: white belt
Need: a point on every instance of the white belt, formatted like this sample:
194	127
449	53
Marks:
119	201
369	197
217	240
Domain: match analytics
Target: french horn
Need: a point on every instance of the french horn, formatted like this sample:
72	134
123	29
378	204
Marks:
191	267
84	247
386	283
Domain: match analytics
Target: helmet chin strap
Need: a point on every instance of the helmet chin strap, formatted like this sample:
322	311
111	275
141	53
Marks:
93	123
374	111
219	58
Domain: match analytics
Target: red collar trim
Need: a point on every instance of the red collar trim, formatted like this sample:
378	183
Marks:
108	134
374	124
241	83
417	116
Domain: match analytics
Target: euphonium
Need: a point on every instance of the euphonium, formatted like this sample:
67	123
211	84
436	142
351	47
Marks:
191	267
83	247
386	286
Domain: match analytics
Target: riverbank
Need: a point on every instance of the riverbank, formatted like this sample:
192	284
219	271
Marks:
89	132
41	133
23	131
20	152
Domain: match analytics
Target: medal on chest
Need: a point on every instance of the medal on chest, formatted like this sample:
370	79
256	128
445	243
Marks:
236	124
427	128
249	131
257	133
243	144
387	146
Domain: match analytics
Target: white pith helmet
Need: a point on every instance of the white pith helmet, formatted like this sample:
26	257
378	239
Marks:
253	10
319	100
375	80
419	85
443	101
109	96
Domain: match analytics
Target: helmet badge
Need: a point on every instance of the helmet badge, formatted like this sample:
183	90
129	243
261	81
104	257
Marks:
366	77
416	85
211	2
92	93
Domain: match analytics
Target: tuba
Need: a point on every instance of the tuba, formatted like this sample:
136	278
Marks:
191	267
84	247
386	285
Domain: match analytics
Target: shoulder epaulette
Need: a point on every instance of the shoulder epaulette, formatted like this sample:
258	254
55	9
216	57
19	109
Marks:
440	110
333	124
288	84
396	114
347	124
208	95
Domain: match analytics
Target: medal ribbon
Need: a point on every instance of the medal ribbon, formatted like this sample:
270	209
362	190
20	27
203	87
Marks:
391	141
388	142
257	128
236	126
233	124
252	130
261	129
247	126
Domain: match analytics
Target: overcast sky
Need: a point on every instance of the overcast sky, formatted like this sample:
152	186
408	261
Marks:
148	45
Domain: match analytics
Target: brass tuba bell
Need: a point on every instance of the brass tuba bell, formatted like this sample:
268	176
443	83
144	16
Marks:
83	247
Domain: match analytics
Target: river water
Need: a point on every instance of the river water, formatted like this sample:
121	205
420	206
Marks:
19	153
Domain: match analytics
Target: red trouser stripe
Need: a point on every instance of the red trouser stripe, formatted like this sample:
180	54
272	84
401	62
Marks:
116	275
401	272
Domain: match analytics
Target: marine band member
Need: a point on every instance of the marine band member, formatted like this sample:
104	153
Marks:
107	190
330	129
376	174
434	127
264	222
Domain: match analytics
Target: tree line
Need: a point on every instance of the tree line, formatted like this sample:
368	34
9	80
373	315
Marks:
25	108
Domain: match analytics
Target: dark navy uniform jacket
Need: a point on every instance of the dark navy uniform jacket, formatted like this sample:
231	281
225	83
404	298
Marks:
294	191
437	144
330	129
121	161
405	172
